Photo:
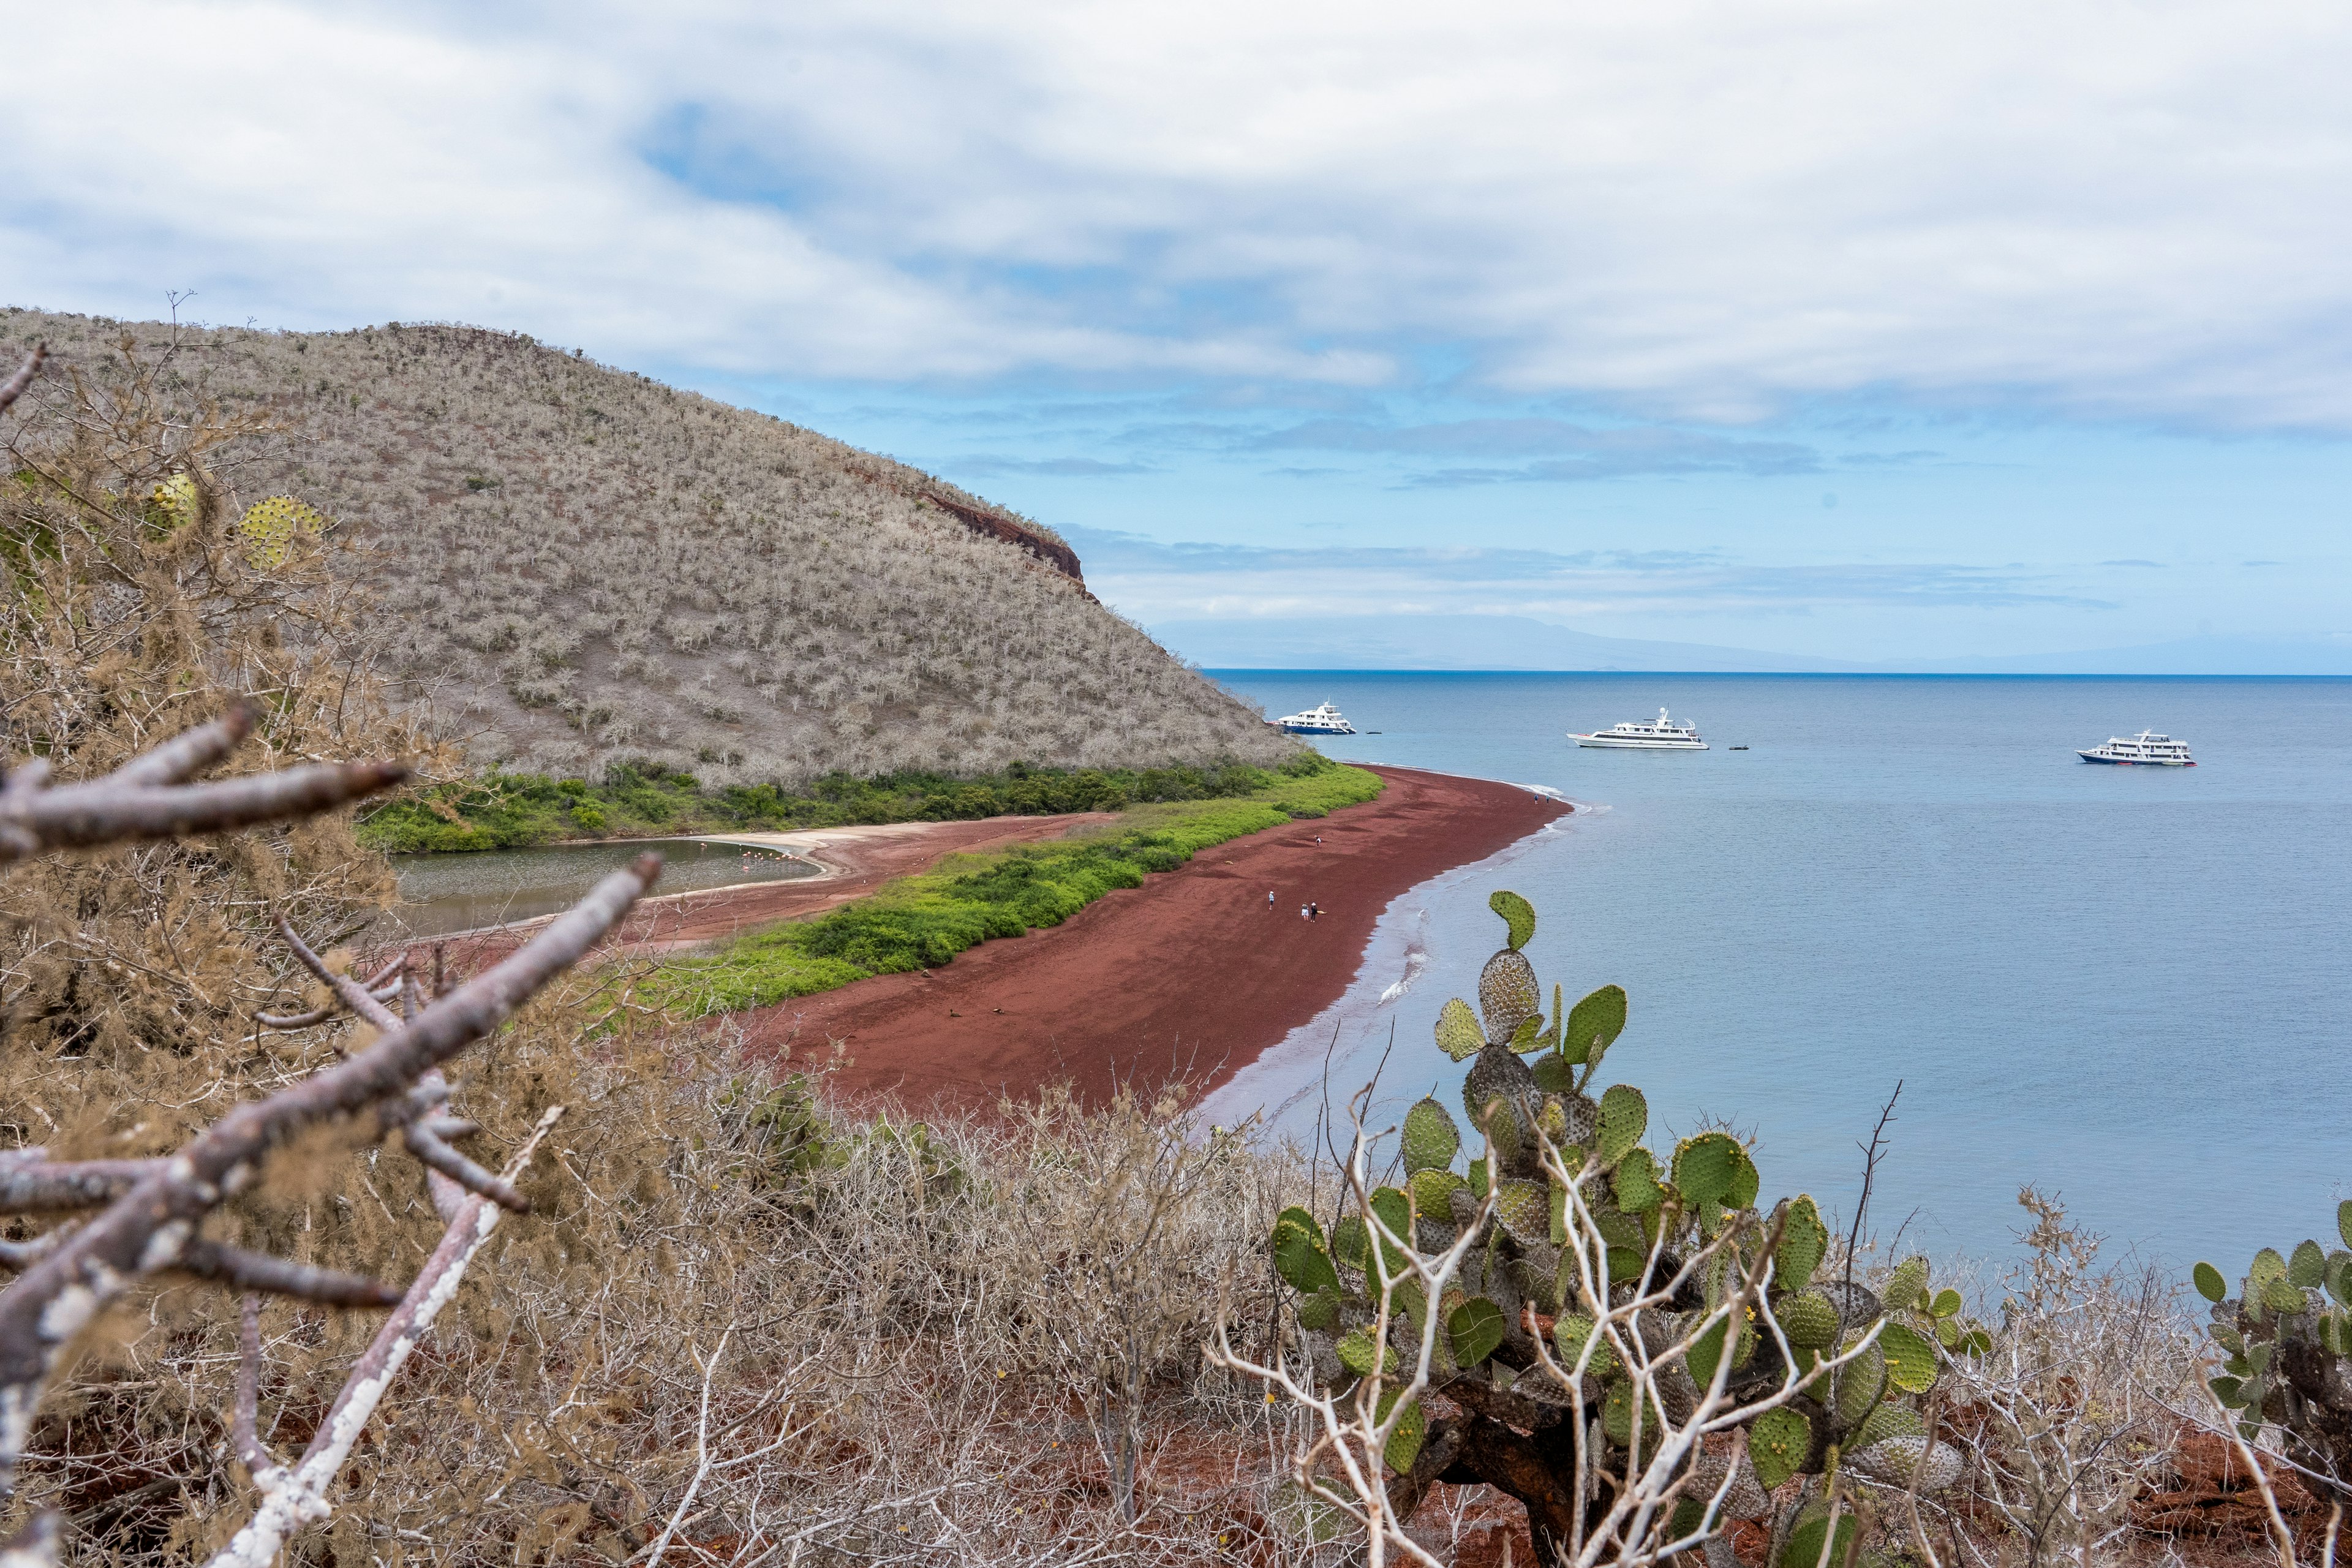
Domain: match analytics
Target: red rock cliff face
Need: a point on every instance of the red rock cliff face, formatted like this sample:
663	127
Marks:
1057	555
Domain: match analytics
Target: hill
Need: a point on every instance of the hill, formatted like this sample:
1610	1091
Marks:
577	566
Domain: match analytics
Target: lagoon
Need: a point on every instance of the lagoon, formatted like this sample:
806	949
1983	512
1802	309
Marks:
442	894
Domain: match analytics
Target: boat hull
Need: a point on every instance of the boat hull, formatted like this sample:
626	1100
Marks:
1315	729
2135	761
1611	743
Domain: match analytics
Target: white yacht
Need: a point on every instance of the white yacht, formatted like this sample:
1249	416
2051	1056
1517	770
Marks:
1325	719
1665	735
2146	749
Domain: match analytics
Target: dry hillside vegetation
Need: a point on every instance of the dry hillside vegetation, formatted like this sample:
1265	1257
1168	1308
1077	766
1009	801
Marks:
576	566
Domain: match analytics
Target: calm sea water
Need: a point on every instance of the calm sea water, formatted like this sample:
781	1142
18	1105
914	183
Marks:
2129	986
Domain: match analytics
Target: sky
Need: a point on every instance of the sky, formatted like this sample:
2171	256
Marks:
1862	332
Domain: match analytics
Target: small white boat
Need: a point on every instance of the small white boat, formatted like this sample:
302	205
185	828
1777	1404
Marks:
1325	719
1665	735
2146	749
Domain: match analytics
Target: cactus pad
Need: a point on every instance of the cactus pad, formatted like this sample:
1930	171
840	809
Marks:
1508	995
1593	1025
1299	1257
1518	913
1624	1117
1910	1358
1433	1194
1807	1319
1777	1443
1525	1209
1860	1384
1704	1167
2209	1283
1474	1328
1457	1030
1430	1138
1803	1239
2307	1269
1405	1441
2344	1221
268	529
174	503
1319	1310
1636	1181
1357	1350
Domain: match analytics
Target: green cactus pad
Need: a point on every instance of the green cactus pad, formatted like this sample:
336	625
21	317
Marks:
1518	913
1568	1333
1907	1285
1700	1359
2280	1295
2344	1221
1553	1073
1947	1302
1810	1544
1525	1209
2209	1283
1433	1194
2308	1267
1395	1211
1405	1442
1636	1181
2230	1391
1861	1383
1624	1117
1298	1255
1803	1239
1508	995
1475	1329
1910	1358
1356	1351
1889	1420
1348	1241
2268	1265
1527	1039
1704	1167
1777	1443
1745	1181
2339	1277
1457	1030
1593	1025
1429	1139
1808	1319
1320	1310
1617	1416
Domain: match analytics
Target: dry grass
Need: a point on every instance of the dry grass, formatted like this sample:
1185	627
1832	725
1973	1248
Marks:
578	566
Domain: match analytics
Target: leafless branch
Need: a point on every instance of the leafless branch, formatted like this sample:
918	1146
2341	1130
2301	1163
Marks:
259	1271
153	1226
291	1498
31	1184
14	387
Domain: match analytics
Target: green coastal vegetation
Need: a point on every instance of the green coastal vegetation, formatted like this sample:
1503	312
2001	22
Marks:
640	800
920	923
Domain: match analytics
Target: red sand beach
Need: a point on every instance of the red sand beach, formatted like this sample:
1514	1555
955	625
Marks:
1189	973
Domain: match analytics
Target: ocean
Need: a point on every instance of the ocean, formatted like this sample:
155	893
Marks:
2128	986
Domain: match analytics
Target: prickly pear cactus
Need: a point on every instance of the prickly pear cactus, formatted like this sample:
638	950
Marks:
1530	1089
174	502
2286	1339
268	529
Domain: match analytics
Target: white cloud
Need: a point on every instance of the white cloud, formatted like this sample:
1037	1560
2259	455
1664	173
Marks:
1697	210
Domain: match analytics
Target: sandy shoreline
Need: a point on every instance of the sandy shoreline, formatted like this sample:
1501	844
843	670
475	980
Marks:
1190	973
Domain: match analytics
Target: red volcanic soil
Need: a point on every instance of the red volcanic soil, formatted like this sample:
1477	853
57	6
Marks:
1190	973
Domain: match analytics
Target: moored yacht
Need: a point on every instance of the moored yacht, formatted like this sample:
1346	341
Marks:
1665	735
1324	719
2146	749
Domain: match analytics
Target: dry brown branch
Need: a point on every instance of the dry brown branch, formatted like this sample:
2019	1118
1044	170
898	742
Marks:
31	1184
291	1498
14	387
151	1227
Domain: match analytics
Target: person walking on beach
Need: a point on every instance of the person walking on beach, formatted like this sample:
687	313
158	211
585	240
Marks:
1302	911
1269	901
1314	912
